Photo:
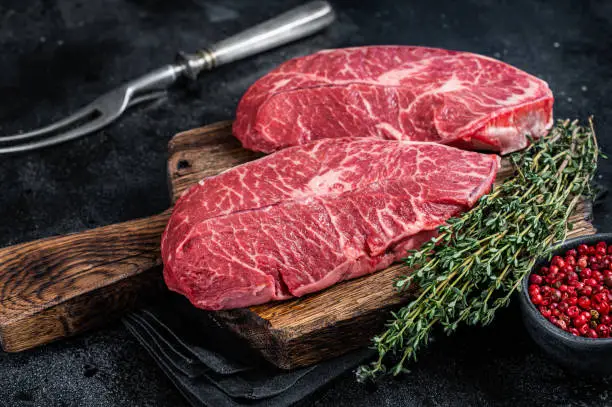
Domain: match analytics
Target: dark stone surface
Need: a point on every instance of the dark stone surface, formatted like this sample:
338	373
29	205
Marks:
58	55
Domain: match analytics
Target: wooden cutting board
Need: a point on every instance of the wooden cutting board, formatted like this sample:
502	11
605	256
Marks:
57	287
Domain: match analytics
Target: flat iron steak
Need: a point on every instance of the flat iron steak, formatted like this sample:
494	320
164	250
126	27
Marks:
307	217
395	92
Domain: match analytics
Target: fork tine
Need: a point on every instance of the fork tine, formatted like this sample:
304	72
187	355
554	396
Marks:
60	138
80	114
106	116
147	97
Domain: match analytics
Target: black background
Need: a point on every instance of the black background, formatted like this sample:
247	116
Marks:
58	55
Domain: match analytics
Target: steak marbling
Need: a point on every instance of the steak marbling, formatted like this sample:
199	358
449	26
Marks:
306	217
395	92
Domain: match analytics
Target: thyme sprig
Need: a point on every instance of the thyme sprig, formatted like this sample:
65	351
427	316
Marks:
478	260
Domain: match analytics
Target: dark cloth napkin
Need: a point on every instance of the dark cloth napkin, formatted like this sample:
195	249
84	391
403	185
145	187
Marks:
212	367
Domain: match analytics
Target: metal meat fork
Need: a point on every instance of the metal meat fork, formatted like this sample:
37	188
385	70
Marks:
290	26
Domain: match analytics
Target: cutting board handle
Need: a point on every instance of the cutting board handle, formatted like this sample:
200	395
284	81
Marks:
54	287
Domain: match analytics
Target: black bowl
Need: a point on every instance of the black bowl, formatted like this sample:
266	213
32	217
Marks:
585	355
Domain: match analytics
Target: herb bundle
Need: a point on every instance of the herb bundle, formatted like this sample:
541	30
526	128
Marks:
478	260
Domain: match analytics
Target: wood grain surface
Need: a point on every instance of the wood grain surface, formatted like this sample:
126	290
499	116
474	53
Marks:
57	287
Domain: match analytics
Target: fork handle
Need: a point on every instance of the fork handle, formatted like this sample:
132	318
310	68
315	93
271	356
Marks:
290	26
287	27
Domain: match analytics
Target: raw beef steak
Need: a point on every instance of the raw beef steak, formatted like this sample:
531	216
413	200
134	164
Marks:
306	217
394	92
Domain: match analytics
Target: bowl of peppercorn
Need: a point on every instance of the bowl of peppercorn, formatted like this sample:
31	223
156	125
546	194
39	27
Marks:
566	304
